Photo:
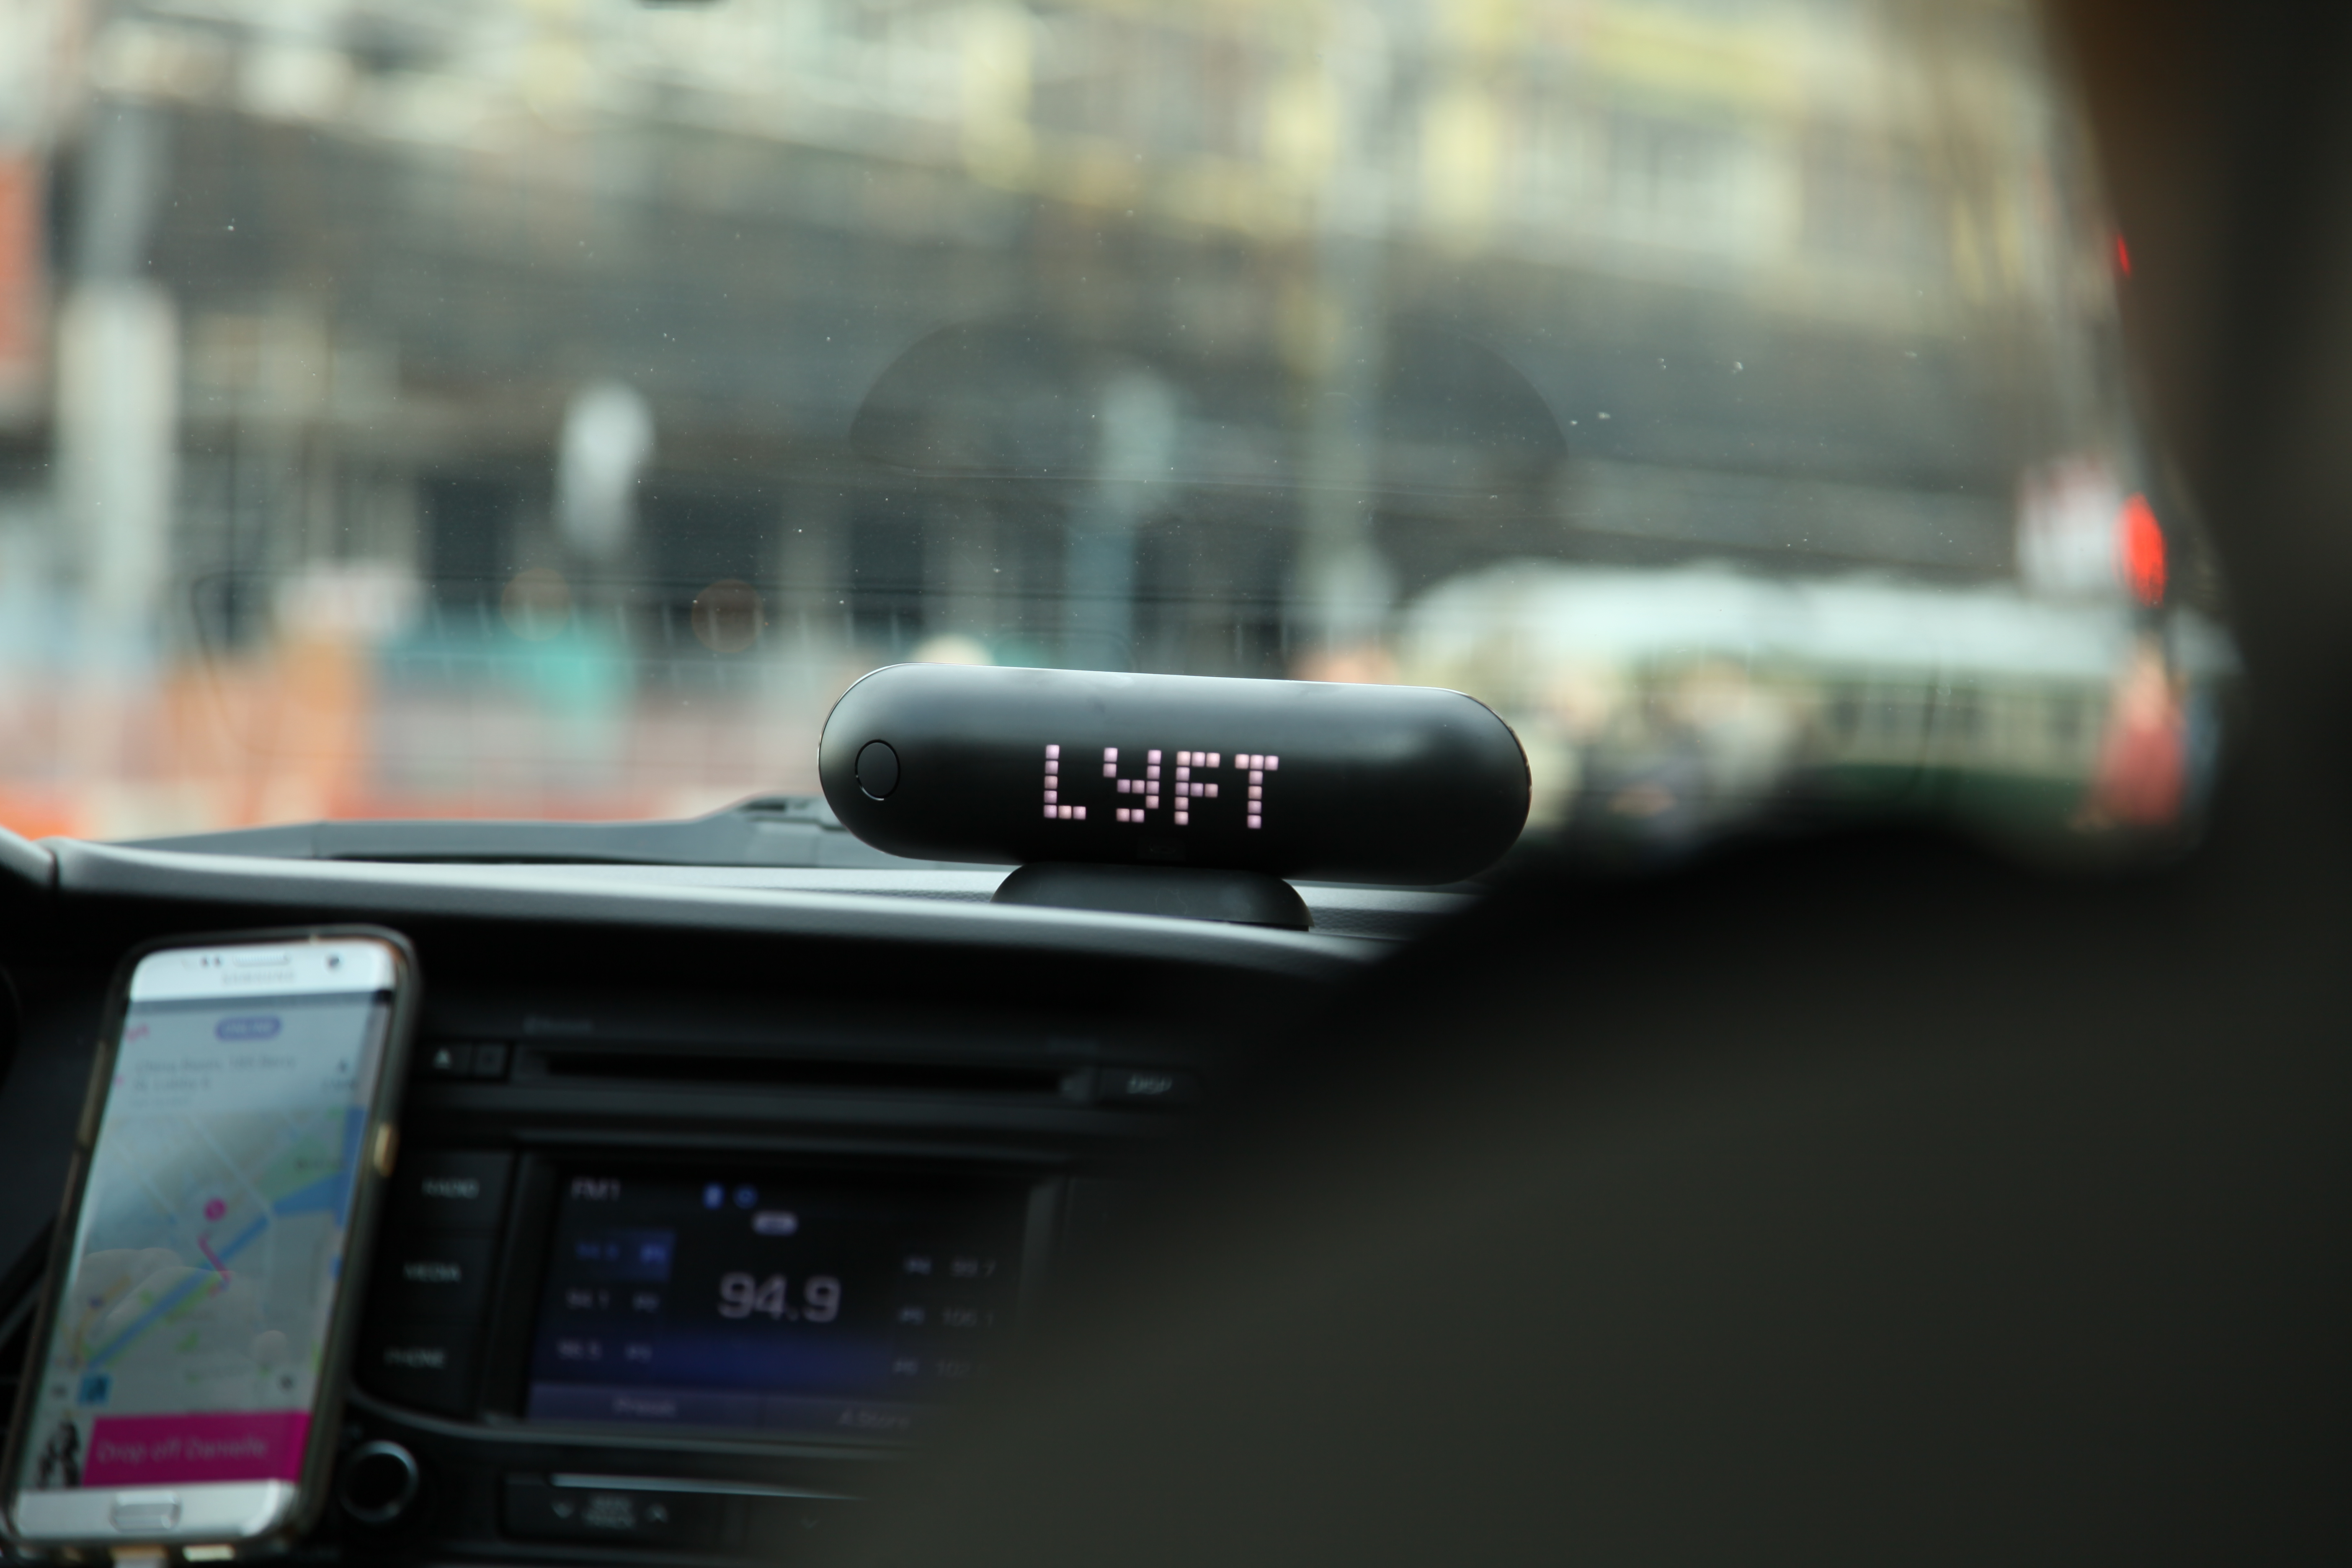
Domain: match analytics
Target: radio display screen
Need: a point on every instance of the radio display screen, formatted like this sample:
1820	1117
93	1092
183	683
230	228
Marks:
803	1306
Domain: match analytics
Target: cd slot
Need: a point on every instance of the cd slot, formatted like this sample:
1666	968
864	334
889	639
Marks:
868	1075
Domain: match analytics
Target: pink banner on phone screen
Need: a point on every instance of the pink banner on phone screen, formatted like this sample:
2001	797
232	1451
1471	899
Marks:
228	1445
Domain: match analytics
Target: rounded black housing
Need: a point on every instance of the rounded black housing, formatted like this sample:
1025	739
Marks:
1343	783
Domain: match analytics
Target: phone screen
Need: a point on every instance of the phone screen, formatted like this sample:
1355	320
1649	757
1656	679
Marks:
187	1346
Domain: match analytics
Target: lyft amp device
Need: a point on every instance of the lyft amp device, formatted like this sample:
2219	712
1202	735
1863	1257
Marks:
187	1371
1305	779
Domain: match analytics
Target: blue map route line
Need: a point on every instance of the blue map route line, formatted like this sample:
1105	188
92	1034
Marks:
330	1194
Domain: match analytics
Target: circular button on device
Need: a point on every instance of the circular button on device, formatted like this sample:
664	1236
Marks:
380	1481
878	769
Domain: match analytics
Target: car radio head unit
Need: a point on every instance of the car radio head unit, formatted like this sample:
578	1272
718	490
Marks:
1363	784
806	1306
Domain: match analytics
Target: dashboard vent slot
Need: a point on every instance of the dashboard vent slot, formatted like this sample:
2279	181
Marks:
803	1072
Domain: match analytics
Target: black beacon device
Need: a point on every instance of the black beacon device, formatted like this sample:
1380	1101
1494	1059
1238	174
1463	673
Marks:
1285	778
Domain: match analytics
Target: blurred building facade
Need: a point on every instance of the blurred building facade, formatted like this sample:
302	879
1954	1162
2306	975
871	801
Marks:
547	410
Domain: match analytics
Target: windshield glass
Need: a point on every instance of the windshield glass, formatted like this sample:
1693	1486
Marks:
548	409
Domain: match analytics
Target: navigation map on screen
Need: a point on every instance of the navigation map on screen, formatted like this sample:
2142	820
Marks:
188	1344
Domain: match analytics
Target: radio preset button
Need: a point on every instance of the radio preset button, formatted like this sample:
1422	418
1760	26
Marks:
430	1276
451	1189
643	1406
429	1365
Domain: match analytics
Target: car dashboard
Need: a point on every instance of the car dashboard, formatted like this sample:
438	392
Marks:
654	1111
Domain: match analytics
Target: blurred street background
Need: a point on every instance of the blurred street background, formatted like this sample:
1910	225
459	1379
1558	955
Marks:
548	409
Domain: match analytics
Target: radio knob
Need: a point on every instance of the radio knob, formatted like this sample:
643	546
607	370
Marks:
380	1481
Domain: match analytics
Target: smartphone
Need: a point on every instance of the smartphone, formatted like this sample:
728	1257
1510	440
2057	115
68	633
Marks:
187	1366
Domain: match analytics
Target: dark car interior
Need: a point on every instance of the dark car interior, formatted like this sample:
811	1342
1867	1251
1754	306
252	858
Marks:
1862	1193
